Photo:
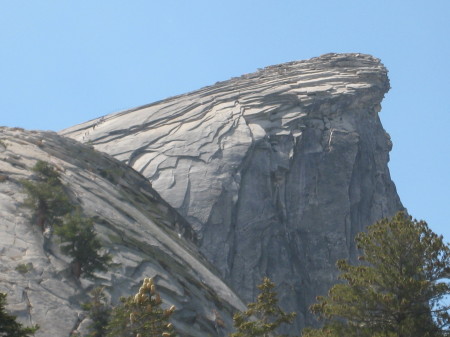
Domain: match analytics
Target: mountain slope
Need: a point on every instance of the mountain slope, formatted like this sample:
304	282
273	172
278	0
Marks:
276	170
145	236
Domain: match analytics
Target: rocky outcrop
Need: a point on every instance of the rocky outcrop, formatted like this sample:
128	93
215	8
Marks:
145	236
275	170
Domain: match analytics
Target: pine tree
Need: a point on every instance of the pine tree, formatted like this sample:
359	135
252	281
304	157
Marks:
80	242
141	315
397	288
46	195
9	326
263	317
99	312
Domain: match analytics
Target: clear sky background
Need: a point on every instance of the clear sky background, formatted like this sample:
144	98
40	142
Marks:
66	62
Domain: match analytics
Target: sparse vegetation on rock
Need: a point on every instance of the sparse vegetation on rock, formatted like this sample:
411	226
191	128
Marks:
113	174
263	317
141	315
99	312
53	209
46	195
9	326
80	242
24	268
397	289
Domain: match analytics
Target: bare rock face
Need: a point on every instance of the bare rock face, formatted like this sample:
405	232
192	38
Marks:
276	170
145	236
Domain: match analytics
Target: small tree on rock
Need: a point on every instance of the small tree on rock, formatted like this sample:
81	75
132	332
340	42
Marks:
99	312
263	317
46	195
141	315
8	324
80	242
396	290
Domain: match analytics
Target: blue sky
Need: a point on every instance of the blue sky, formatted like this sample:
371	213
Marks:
65	62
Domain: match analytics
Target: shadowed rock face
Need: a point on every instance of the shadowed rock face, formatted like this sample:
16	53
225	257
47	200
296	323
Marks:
276	170
144	235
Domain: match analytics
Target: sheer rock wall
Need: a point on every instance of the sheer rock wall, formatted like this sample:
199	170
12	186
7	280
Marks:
276	170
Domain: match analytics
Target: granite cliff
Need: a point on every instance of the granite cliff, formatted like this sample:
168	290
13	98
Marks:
145	236
276	171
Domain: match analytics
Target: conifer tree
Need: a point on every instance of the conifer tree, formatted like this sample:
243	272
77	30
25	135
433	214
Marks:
141	315
397	288
9	326
46	195
99	312
80	242
264	316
